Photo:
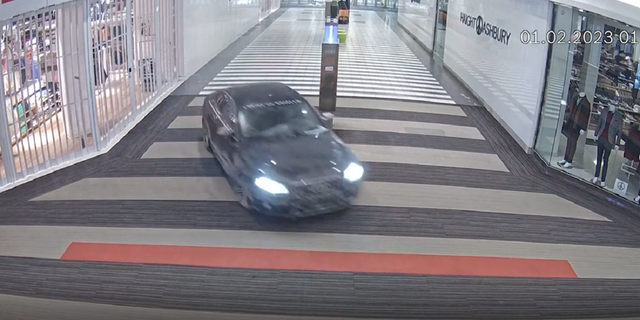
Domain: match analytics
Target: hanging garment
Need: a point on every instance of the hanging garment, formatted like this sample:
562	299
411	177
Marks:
609	127
632	143
602	158
576	116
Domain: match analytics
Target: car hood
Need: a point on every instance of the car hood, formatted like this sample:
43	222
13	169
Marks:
304	157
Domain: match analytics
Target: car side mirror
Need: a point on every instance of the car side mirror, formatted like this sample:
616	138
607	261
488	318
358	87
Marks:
327	118
224	132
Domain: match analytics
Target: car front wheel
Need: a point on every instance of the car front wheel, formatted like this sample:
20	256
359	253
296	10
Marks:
245	200
205	138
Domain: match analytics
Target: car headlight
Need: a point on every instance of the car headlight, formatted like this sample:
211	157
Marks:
271	186
353	172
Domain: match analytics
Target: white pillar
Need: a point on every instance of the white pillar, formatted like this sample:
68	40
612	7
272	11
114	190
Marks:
158	36
130	62
589	72
566	19
5	137
73	71
591	62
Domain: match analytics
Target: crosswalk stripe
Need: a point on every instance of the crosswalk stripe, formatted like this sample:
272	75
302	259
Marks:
368	153
379	194
401	106
421	128
352	82
364	60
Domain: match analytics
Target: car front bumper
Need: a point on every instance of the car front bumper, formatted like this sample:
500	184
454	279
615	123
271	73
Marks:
293	206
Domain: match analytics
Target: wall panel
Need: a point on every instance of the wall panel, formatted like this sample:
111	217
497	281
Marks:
211	26
484	48
419	18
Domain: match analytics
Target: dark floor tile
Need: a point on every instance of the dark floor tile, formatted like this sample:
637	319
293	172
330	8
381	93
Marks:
379	114
408	222
205	167
318	293
364	137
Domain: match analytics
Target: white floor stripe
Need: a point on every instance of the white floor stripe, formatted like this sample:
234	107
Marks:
355	74
316	66
368	153
315	77
350	85
417	128
399	72
379	194
394	106
371	53
371	91
352	82
307	92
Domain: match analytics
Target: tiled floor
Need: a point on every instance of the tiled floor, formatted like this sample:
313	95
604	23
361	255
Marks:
374	62
454	222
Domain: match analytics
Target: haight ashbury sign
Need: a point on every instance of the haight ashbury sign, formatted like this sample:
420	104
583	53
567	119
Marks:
485	28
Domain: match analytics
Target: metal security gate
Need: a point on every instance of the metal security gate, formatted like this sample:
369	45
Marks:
76	74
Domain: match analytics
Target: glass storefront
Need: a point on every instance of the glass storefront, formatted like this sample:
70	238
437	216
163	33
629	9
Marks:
590	114
74	75
441	28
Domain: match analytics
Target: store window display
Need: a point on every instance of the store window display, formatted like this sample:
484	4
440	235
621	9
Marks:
574	126
590	119
607	135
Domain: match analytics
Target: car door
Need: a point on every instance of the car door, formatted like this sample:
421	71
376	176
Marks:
226	145
209	115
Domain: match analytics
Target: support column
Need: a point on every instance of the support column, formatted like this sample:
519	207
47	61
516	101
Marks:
5	137
74	75
130	66
589	72
327	9
329	67
562	58
90	73
157	65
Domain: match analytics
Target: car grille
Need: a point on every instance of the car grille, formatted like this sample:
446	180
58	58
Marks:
319	191
320	197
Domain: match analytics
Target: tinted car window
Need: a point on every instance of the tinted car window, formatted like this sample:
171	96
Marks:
274	120
226	111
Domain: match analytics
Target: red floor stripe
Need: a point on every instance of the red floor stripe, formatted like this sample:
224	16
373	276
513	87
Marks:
276	259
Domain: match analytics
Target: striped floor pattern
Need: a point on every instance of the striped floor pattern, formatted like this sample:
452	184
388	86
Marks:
440	229
374	62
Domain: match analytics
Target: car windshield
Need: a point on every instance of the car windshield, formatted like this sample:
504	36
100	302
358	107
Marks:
278	120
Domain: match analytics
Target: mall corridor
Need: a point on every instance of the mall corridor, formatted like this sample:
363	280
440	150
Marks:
454	221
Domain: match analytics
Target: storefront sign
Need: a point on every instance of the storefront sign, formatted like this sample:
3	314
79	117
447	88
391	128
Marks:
620	187
483	28
636	83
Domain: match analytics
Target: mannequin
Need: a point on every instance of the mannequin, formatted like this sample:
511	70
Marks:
632	144
575	125
608	134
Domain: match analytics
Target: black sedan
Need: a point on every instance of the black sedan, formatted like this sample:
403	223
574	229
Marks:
278	152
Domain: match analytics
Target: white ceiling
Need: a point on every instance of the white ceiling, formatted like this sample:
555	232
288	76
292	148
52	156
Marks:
16	7
627	11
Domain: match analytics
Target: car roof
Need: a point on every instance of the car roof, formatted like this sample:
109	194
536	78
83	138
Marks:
261	93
